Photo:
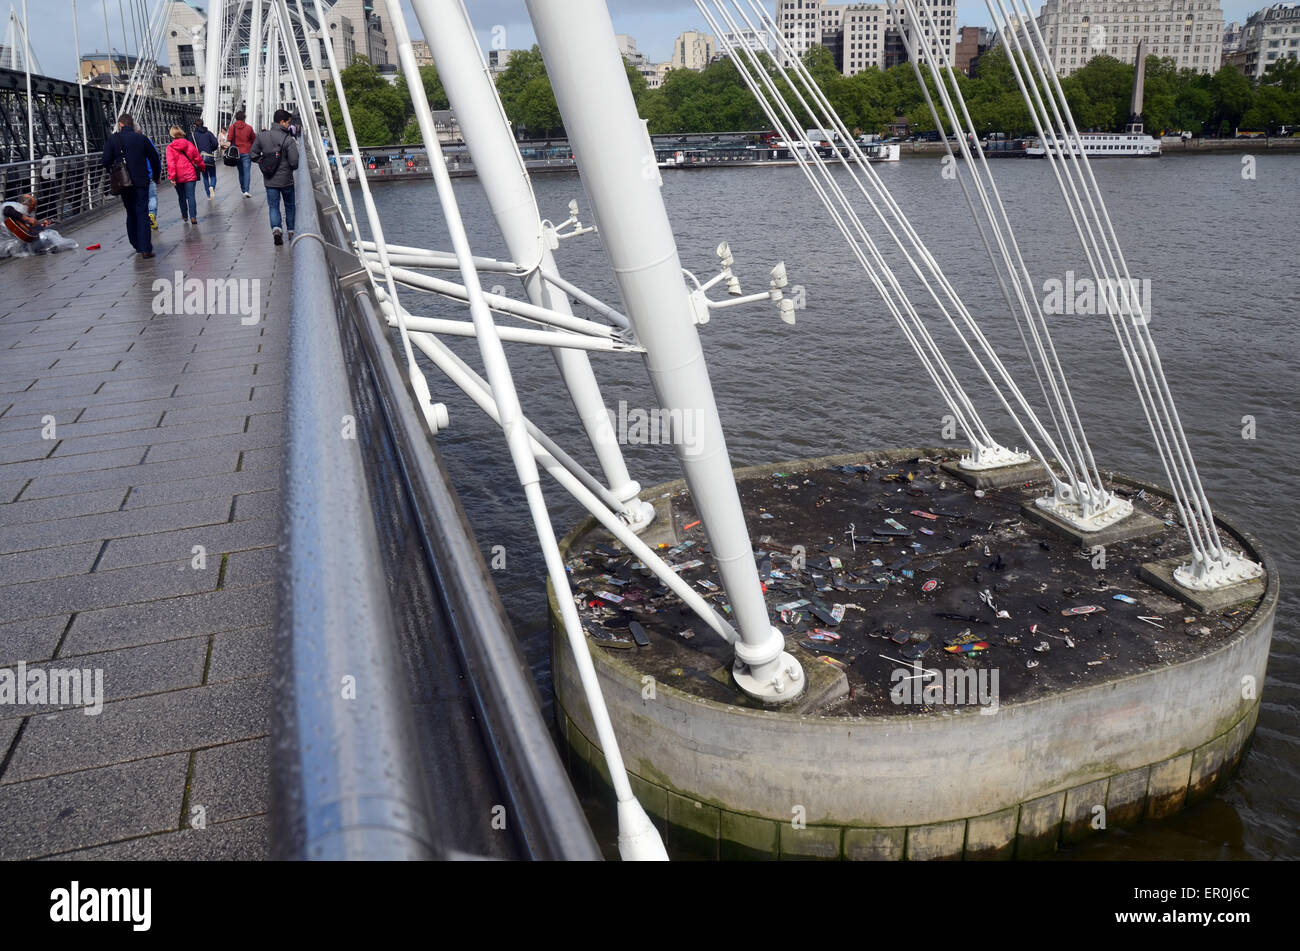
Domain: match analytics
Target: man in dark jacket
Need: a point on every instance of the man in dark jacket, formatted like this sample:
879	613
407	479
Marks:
206	143
141	157
276	154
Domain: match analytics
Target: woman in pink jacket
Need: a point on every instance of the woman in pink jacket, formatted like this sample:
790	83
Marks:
184	163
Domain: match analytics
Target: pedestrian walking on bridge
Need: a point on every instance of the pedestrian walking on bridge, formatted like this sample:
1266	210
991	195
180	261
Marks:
184	165
276	154
142	165
208	147
241	135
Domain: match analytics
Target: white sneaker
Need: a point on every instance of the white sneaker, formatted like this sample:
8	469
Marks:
247	195
210	194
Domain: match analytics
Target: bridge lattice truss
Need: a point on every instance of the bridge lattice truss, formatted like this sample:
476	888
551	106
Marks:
57	115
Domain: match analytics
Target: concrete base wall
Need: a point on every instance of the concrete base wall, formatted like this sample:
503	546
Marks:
942	785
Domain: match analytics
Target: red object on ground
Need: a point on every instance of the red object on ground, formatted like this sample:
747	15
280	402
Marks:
92	247
687	528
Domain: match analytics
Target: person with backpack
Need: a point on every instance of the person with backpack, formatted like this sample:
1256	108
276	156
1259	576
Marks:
276	154
184	164
208	147
241	136
139	165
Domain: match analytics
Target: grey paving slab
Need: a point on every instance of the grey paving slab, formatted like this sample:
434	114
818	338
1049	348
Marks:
124	674
179	470
178	546
58	813
144	727
150	437
162	422
240	654
157	518
32	639
79	463
206	613
243	840
257	505
269	458
191	448
101	589
200	487
39	563
66	428
66	506
230	781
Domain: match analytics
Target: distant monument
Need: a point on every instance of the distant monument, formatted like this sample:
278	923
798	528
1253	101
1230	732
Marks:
1139	80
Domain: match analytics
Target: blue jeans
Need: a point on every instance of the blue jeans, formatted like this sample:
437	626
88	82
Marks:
153	199
210	174
185	197
136	200
245	171
273	196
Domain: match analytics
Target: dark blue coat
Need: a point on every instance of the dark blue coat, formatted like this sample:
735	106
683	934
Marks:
203	138
138	150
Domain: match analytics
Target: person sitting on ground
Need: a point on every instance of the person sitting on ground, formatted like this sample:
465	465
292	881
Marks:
30	235
20	219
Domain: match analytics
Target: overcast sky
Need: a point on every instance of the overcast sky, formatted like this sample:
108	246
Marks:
653	23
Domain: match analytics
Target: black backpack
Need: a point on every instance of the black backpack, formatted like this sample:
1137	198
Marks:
270	164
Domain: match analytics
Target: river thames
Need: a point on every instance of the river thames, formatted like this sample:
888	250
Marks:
1217	244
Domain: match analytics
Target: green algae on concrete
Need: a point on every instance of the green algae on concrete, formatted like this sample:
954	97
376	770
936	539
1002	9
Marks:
875	845
748	838
1167	790
811	842
1126	797
942	841
1040	824
1085	807
1207	762
992	837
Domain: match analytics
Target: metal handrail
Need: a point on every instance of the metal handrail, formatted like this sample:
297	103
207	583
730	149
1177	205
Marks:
333	607
67	187
346	778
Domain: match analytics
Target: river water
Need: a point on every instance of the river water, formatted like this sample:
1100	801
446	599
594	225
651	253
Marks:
1220	249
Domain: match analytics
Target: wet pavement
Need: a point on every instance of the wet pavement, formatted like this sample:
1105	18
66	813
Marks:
878	567
131	440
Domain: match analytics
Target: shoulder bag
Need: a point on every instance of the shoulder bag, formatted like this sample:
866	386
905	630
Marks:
119	177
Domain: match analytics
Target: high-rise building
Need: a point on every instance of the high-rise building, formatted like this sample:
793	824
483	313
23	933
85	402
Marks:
865	26
420	50
800	23
1270	35
692	50
971	42
1188	31
864	35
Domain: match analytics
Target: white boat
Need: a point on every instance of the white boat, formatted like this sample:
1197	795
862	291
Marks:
1099	145
882	151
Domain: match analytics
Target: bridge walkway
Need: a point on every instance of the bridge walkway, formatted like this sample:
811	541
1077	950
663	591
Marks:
140	448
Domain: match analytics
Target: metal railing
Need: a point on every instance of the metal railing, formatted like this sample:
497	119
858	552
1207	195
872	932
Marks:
67	187
367	522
